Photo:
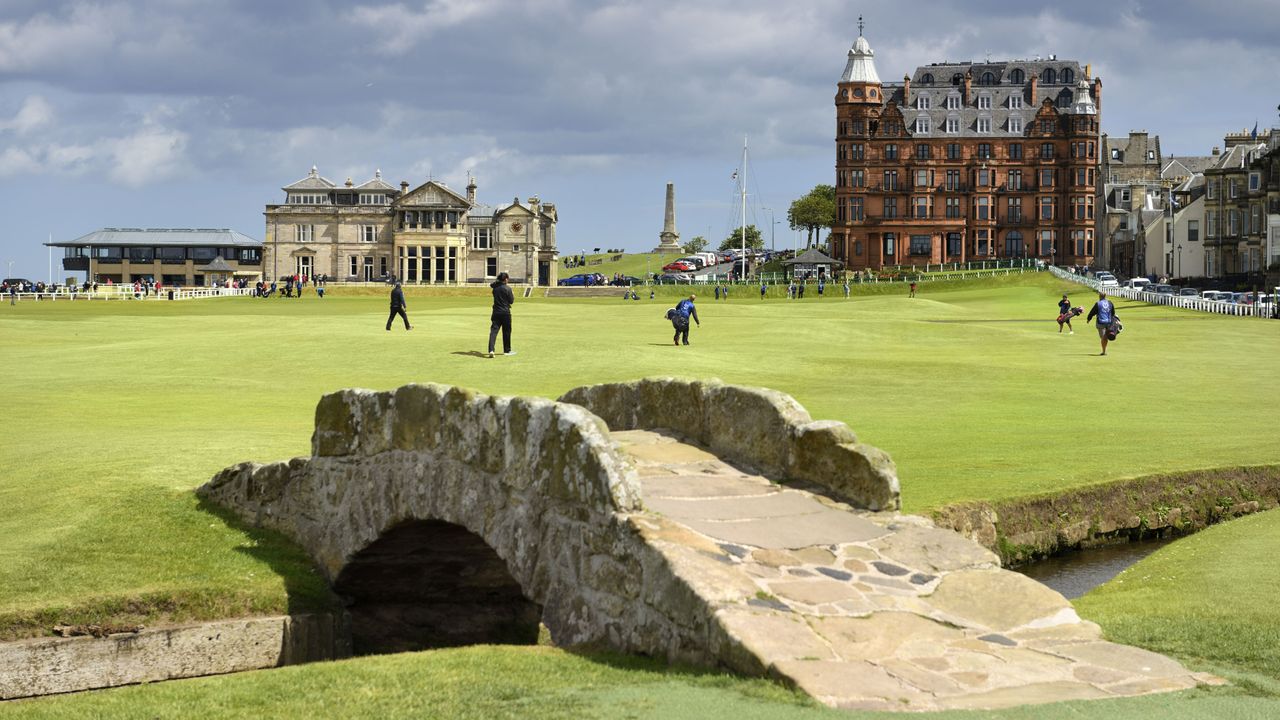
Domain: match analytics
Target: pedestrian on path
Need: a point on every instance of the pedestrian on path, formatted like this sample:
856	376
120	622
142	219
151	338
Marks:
717	292
1105	310
397	308
913	289
684	311
846	288
762	289
500	318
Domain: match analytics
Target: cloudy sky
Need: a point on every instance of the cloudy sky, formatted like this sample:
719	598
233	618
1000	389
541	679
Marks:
193	113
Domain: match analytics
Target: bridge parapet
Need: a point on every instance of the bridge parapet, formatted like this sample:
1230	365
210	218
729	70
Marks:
760	428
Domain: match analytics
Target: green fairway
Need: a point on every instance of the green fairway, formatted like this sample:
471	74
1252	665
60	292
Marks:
117	410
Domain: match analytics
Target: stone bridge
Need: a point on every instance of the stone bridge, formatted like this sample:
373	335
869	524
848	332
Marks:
694	521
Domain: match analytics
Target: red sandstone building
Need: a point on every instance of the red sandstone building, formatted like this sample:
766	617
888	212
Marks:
966	161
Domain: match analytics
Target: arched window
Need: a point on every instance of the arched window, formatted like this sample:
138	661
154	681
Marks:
1017	77
927	79
1065	98
1049	77
988	78
1068	77
957	79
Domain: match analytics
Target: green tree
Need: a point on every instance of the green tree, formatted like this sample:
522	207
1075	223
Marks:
814	211
734	241
697	244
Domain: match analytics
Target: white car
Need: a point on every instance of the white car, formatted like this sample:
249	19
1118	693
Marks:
1138	283
1108	281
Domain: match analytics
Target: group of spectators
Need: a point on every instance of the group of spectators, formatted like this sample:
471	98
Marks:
574	261
291	286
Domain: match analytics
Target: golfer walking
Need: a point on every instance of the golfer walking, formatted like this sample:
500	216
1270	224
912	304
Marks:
500	318
684	311
397	308
1106	312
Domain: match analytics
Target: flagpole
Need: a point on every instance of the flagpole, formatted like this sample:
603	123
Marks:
743	181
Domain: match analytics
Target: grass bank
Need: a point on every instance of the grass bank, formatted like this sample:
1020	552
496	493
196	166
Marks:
1026	528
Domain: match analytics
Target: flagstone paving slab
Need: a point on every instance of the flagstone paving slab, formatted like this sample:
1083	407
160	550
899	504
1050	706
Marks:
878	611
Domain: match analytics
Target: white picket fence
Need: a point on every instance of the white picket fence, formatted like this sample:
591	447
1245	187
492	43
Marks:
1260	310
123	292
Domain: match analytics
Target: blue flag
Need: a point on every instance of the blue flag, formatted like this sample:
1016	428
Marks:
1254	134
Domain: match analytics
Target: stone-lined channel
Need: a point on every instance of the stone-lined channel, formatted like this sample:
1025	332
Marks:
1075	573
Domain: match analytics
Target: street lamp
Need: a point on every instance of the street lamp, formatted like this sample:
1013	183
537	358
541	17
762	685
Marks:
1178	266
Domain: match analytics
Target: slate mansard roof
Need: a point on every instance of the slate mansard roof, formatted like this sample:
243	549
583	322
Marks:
153	237
1064	82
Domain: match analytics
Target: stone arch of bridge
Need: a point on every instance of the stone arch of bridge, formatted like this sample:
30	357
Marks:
426	584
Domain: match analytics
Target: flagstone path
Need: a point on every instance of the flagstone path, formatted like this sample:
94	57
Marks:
876	611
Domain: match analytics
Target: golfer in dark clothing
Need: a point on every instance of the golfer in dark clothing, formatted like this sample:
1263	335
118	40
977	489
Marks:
684	311
501	315
397	308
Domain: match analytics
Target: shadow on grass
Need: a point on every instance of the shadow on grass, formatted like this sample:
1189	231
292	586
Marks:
305	586
471	353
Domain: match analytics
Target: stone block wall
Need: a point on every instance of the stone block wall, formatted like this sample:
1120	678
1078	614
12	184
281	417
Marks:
757	427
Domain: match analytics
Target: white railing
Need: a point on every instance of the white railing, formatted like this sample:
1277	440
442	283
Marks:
121	292
1261	310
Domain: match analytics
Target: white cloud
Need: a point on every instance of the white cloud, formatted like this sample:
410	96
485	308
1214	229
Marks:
149	155
35	113
45	40
403	28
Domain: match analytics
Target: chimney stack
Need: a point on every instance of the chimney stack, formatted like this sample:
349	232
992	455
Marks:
471	190
404	186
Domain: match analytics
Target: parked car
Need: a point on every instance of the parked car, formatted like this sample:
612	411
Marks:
581	280
1108	282
679	266
1138	283
673	279
1163	289
697	262
1216	296
1189	292
629	280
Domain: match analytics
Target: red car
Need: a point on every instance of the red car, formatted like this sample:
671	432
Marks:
679	266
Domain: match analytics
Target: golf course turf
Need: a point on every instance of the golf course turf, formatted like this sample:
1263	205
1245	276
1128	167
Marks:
116	411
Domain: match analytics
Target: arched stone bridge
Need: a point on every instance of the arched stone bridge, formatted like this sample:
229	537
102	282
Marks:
696	521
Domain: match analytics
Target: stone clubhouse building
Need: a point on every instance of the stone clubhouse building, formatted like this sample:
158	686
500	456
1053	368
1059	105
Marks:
966	161
430	234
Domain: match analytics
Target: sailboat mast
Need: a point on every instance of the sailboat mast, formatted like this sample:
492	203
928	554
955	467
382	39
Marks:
743	257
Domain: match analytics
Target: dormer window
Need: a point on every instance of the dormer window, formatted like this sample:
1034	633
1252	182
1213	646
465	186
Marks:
1015	124
926	79
1015	102
1068	76
1049	76
1017	77
922	102
922	125
988	78
984	125
953	125
984	102
953	102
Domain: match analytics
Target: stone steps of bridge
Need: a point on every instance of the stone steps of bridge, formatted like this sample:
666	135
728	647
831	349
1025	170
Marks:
877	611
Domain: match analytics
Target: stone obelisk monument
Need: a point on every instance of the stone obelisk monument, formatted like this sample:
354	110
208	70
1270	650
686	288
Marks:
669	239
